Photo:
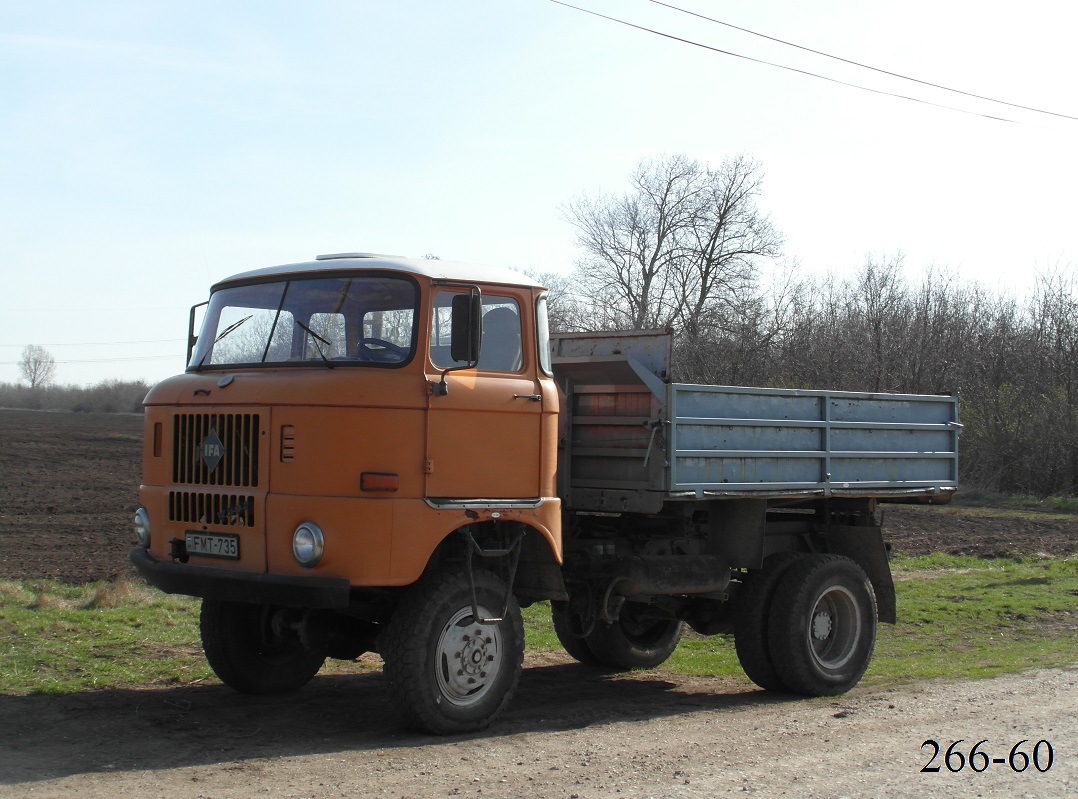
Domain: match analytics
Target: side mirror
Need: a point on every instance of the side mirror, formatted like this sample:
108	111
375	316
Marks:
194	324
466	328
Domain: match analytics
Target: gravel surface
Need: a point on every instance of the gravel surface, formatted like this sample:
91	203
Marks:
568	735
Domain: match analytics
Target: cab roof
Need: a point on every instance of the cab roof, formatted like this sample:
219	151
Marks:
433	269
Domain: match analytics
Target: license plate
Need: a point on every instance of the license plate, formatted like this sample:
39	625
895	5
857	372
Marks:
213	545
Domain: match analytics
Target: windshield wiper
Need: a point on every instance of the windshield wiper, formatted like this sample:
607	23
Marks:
317	349
220	336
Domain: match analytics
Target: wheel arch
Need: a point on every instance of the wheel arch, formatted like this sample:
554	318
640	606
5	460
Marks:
538	573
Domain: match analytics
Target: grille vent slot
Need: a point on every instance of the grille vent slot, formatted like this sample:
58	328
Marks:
224	510
215	449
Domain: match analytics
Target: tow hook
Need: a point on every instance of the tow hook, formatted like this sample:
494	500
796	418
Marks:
178	550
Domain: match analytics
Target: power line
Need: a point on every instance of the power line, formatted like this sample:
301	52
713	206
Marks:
858	64
783	66
109	360
104	343
80	309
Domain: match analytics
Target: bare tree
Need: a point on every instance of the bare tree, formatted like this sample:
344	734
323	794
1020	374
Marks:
678	249
565	310
630	243
882	301
726	237
37	365
746	345
1053	316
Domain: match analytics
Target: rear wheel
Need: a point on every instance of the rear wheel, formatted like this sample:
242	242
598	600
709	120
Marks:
822	625
569	628
639	639
254	648
751	611
447	672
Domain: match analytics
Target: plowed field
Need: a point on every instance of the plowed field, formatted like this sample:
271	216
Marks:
69	489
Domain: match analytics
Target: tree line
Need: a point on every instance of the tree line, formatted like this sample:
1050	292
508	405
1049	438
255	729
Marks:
108	396
38	369
686	248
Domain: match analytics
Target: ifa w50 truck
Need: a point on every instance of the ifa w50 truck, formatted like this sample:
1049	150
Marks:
380	454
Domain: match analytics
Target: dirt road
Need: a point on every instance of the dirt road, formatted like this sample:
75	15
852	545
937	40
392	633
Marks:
569	734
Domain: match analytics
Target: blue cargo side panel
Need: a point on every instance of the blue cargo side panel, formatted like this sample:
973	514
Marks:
727	440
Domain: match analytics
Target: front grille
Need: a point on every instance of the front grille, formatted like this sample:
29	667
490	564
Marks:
216	449
229	510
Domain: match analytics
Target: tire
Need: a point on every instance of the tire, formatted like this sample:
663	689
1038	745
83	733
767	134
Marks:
637	640
250	652
751	610
822	625
573	643
446	673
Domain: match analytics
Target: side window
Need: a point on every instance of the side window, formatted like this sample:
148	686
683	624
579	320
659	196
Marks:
542	337
501	349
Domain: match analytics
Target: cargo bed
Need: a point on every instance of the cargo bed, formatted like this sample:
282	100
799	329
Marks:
633	440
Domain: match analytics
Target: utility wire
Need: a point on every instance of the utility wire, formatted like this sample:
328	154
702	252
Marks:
107	360
104	343
783	66
858	64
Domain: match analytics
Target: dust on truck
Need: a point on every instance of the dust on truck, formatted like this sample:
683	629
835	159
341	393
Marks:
379	454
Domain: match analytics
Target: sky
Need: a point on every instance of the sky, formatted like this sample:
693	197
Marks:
149	149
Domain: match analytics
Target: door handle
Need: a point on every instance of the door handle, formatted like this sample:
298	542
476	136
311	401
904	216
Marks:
533	397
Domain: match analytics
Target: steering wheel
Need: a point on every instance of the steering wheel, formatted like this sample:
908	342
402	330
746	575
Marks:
378	349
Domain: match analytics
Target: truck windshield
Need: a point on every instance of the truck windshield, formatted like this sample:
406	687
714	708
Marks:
326	321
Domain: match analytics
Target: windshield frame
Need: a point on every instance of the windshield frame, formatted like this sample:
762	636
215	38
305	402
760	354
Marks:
211	333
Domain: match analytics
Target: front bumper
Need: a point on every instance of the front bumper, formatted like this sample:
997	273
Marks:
236	586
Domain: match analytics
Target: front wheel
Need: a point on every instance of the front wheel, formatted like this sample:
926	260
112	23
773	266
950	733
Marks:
822	625
447	672
254	648
639	639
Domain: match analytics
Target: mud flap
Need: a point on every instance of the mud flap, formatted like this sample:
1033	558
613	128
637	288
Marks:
865	546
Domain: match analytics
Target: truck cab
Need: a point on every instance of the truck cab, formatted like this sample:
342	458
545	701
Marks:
325	430
339	424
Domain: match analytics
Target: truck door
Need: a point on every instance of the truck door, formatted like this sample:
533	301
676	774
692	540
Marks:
483	434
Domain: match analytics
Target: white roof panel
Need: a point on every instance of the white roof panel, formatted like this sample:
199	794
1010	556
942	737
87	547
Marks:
456	271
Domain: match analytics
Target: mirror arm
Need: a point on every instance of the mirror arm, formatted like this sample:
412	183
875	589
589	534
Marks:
441	388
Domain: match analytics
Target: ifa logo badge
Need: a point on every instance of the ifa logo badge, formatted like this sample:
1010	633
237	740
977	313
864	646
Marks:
211	450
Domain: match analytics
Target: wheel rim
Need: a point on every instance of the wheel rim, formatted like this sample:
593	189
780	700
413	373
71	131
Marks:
643	632
834	628
469	658
273	644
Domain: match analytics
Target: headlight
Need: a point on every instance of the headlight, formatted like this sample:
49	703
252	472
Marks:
142	527
307	544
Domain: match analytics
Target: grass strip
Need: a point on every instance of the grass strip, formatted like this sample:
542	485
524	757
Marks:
959	618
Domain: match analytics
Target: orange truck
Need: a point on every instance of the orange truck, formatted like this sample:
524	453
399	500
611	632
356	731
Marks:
370	453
